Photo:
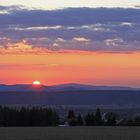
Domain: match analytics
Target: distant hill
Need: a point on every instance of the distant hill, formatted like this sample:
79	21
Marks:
73	87
21	87
63	87
69	94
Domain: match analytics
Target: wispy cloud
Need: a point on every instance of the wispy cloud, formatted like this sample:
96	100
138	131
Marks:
115	42
129	24
24	48
80	39
35	28
21	47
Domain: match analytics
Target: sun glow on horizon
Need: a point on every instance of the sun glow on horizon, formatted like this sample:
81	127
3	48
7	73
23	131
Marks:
36	83
78	67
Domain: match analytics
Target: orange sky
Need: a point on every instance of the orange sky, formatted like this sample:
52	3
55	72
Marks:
74	66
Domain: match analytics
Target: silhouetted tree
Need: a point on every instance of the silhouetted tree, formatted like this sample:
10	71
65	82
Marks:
28	117
71	114
137	121
72	118
79	120
111	119
1	117
98	117
90	119
24	116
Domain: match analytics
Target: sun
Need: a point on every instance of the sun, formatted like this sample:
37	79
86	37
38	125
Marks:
36	83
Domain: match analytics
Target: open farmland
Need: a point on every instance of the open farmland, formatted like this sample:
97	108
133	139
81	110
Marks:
70	133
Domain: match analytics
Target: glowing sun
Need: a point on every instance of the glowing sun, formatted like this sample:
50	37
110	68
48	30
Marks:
36	84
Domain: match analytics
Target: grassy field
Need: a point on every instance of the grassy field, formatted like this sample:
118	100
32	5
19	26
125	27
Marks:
70	133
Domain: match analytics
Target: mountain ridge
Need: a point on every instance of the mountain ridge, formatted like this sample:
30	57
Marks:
68	94
62	87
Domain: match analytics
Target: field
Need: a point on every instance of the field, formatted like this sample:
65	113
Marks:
70	133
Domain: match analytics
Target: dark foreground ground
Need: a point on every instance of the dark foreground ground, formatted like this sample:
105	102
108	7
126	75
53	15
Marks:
70	133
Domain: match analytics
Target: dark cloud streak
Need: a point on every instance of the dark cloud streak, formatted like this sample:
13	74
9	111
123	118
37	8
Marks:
70	16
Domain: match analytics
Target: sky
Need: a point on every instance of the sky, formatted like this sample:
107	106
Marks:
92	42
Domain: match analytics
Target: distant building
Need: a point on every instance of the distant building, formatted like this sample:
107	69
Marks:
66	124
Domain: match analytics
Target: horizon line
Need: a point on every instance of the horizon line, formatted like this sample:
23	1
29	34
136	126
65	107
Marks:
75	83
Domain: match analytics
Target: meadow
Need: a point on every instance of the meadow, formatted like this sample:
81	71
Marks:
69	133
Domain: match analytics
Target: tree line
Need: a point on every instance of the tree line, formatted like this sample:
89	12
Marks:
91	119
38	116
97	119
28	116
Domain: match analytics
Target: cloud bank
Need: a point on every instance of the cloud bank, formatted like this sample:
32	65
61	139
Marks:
83	29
